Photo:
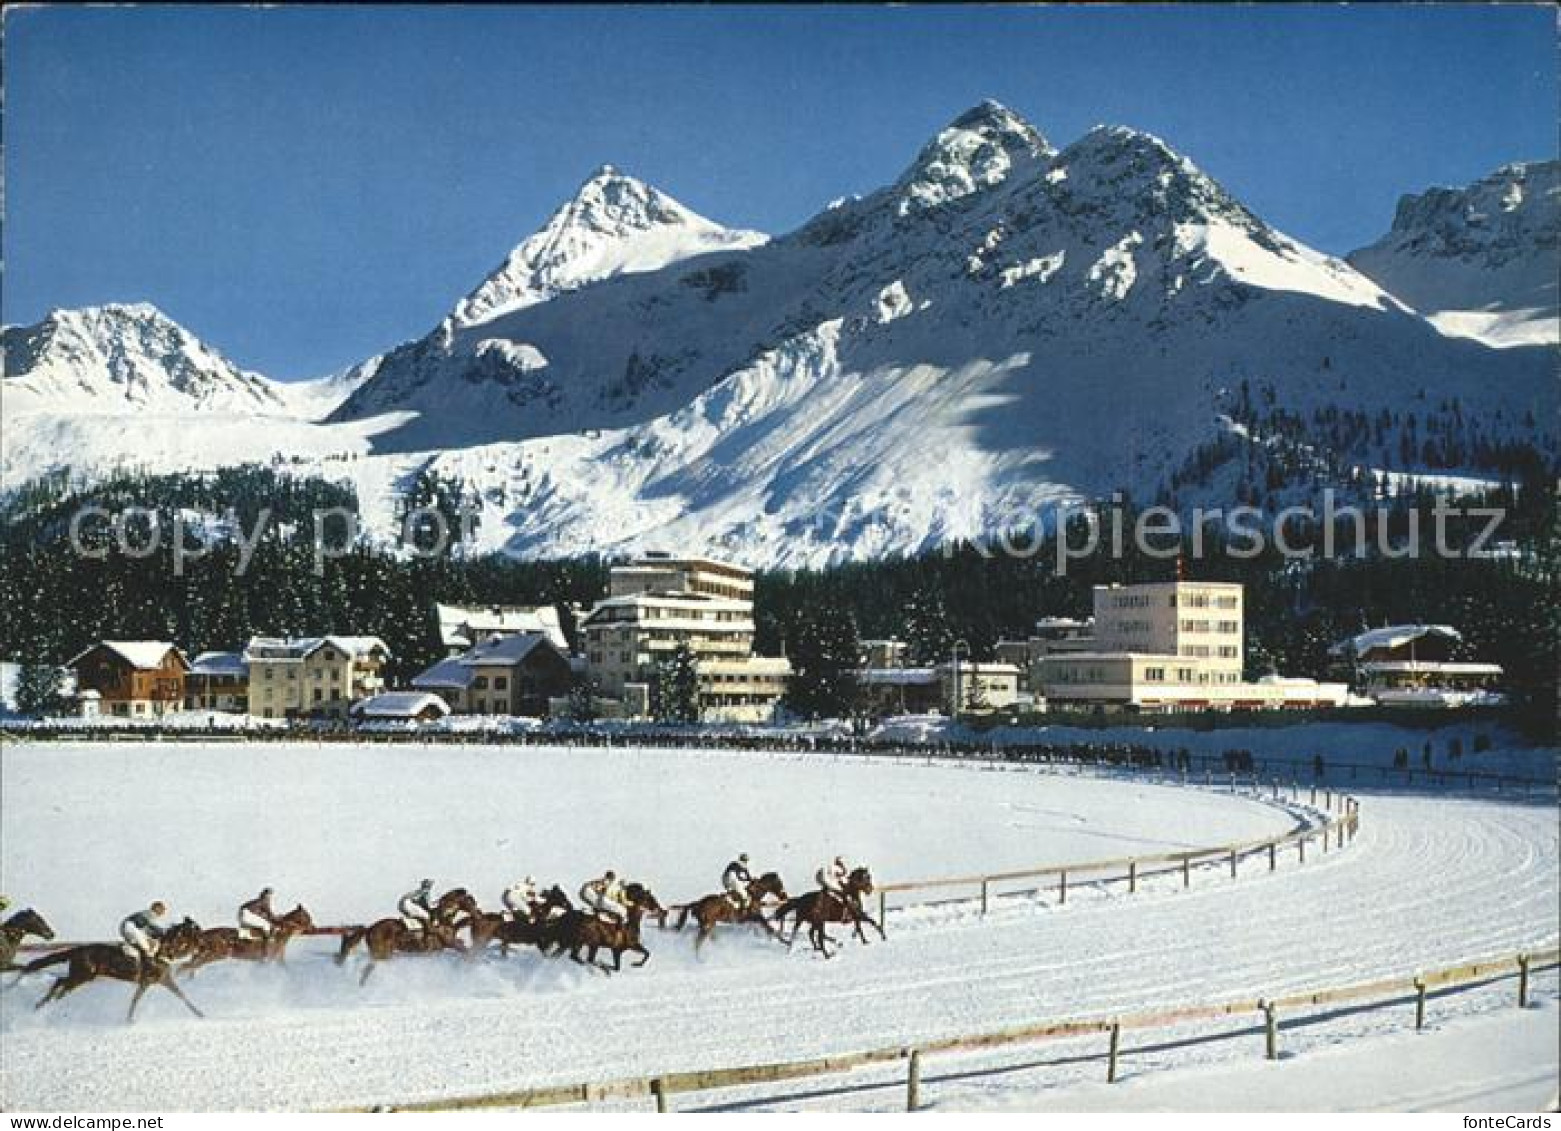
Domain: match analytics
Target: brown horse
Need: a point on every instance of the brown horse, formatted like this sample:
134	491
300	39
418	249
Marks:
111	960
713	910
519	930
577	931
388	937
18	927
218	943
819	908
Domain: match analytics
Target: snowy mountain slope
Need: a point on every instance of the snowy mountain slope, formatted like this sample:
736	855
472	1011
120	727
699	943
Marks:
615	225
1003	327
125	358
1480	261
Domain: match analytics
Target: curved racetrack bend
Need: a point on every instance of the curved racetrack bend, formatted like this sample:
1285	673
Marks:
1429	881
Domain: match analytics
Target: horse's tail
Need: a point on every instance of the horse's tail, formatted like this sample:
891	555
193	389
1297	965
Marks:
349	939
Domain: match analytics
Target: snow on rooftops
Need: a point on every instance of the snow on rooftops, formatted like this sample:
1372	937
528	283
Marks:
401	705
144	654
462	625
1392	636
895	676
445	674
299	647
505	649
219	663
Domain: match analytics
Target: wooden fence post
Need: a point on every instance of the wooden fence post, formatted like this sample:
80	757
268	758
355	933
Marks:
1132	876
1523	961
1062	889
913	1082
883	909
1273	856
1233	863
1111	1058
1270	1030
1313	801
658	1088
984	894
1325	838
1419	1004
1300	846
1186	871
1328	800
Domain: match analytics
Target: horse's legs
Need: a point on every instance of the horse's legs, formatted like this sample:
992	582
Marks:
135	1000
682	918
61	987
643	952
167	980
368	969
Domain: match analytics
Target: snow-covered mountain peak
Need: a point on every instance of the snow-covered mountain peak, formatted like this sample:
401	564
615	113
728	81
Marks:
978	150
614	224
101	358
1115	167
1480	261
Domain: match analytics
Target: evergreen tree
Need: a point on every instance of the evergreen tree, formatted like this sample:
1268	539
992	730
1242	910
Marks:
675	690
825	650
38	690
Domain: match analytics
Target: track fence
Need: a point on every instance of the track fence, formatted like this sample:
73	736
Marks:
1408	990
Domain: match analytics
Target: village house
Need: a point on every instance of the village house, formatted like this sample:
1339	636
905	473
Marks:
312	676
970	687
1052	635
131	678
1416	665
503	675
217	681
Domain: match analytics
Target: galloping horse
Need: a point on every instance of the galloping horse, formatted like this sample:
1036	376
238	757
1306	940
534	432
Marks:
18	927
818	908
111	960
522	930
577	930
218	943
392	936
713	910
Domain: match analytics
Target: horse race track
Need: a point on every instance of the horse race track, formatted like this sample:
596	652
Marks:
93	832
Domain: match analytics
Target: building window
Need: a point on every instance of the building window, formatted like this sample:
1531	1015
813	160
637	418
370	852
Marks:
500	683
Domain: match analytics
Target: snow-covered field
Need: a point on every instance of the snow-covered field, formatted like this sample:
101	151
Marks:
92	832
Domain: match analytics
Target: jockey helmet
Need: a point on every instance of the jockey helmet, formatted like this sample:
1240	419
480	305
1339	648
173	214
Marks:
158	907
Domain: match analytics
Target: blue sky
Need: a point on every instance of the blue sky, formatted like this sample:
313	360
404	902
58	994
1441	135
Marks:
305	187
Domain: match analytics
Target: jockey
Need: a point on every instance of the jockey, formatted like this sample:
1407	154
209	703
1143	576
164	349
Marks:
832	877
605	897
142	932
417	906
736	879
256	919
520	898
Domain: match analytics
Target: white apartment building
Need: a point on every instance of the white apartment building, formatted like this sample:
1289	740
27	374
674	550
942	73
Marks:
661	601
661	572
1172	646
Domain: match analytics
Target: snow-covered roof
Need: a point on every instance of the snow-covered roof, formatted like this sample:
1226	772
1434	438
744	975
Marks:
400	705
1058	623
1392	636
219	663
505	649
300	647
460	626
144	654
456	671
445	674
895	677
